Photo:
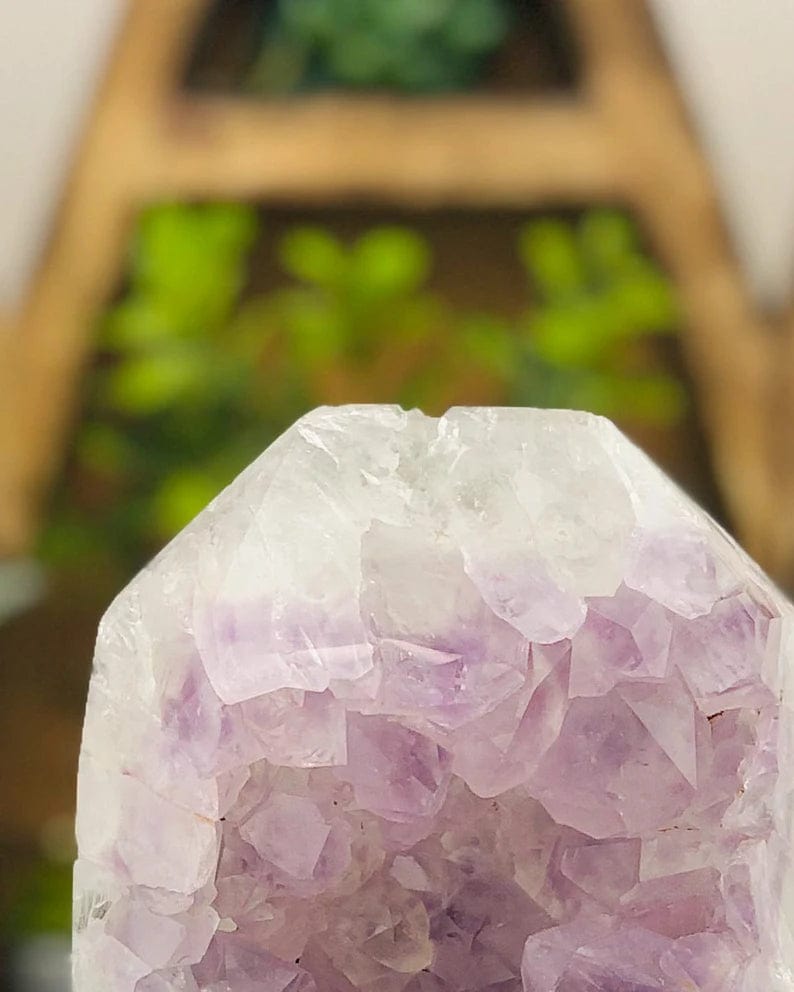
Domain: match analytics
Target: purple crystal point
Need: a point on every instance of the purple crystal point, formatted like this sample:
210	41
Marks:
417	705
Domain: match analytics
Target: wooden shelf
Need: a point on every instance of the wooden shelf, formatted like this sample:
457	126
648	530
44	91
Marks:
625	139
471	151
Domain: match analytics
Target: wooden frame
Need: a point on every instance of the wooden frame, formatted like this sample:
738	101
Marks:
624	138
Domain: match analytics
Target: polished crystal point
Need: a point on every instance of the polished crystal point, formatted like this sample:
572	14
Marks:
441	705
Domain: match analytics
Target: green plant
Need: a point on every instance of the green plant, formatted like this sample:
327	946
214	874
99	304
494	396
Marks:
348	302
411	45
165	419
193	383
599	301
196	376
42	902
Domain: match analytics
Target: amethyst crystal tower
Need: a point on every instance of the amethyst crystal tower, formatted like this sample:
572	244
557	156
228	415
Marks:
417	705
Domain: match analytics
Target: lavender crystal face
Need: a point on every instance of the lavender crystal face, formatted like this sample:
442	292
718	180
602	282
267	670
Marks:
416	705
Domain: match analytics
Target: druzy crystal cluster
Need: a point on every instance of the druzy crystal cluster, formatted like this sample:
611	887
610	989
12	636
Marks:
440	705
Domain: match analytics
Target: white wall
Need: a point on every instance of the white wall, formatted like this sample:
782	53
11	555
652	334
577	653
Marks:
735	64
52	53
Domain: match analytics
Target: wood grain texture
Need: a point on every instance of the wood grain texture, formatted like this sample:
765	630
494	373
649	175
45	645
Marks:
469	151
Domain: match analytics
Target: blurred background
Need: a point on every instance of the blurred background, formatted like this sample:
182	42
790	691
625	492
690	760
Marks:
218	214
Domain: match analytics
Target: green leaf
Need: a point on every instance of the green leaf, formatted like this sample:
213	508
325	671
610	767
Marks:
68	537
421	66
43	902
608	240
359	58
307	20
173	238
490	344
232	227
313	255
149	384
550	254
417	319
255	328
192	260
413	17
477	26
536	383
412	45
579	335
657	399
181	496
643	302
653	399
389	262
316	329
139	323
103	449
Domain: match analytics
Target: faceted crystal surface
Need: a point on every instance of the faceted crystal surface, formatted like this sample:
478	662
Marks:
418	705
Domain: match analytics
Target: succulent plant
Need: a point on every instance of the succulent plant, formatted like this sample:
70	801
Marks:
408	45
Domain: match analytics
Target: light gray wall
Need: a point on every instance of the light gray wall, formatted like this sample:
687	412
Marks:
51	55
735	64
